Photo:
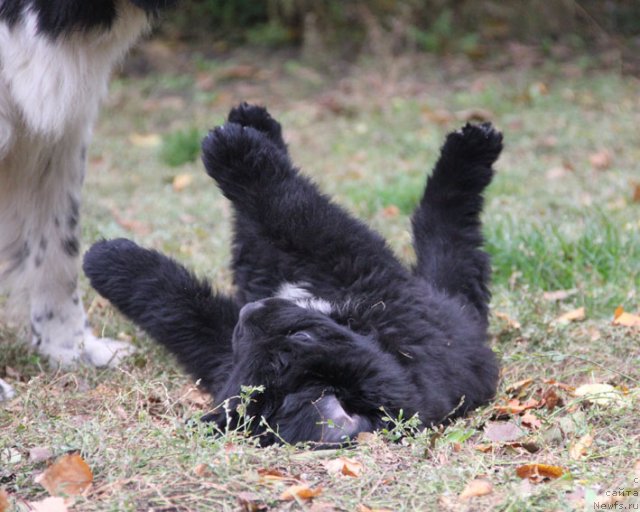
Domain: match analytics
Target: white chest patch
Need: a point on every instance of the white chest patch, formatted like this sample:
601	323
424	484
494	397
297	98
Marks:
300	296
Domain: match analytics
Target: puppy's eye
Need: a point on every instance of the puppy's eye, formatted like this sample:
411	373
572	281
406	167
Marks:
301	336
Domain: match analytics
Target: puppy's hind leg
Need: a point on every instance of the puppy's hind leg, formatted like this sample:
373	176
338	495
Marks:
446	225
169	303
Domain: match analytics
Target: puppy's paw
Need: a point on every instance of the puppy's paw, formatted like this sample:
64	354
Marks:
475	143
241	159
259	118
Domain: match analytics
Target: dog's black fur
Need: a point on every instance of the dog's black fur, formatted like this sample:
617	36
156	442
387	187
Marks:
65	16
394	339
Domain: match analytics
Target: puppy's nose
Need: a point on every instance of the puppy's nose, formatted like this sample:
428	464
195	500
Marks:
249	308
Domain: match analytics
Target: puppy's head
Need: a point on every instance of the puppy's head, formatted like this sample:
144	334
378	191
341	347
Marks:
312	368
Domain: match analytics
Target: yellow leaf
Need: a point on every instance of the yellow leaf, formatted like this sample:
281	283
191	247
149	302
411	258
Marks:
601	394
301	492
575	315
578	450
536	473
181	181
621	317
148	140
70	475
344	466
477	487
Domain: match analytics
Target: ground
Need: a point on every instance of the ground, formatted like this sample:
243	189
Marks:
562	223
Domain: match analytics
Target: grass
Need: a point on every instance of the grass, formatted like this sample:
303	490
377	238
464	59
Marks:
553	222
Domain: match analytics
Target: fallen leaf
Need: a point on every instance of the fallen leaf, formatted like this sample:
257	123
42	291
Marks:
364	508
575	315
601	394
344	466
181	181
202	470
511	323
636	193
4	501
502	432
149	140
517	387
531	421
51	504
273	475
476	114
477	487
484	448
551	399
536	473
390	211
321	506
250	502
300	491
39	454
621	317
559	295
70	475
515	406
601	160
578	450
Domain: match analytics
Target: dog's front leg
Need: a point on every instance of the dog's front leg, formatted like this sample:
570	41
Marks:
51	220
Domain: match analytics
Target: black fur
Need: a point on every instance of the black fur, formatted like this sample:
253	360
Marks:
395	339
57	17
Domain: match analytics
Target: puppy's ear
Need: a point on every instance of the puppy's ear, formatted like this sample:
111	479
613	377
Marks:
336	423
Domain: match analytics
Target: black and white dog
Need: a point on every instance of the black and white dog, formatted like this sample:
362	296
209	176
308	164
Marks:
325	318
55	60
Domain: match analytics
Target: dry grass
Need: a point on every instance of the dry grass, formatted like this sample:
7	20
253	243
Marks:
553	221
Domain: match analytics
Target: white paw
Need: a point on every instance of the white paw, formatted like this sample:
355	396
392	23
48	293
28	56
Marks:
6	391
105	351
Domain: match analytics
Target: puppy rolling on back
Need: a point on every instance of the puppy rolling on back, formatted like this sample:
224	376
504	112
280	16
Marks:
326	318
55	61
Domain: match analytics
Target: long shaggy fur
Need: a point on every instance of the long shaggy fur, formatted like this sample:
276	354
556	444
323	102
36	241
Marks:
326	318
55	61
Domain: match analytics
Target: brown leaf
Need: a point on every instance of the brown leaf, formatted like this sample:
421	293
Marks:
517	387
578	450
70	475
551	399
621	317
537	473
531	421
484	448
301	492
575	315
250	502
273	475
344	466
511	323
364	508
202	470
502	432
477	487
390	211
4	501
515	406
476	114
636	193
601	160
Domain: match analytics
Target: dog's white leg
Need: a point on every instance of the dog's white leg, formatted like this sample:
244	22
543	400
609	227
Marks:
6	391
51	257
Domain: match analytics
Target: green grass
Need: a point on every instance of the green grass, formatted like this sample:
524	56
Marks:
369	139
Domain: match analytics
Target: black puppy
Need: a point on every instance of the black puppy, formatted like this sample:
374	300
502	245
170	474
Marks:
325	317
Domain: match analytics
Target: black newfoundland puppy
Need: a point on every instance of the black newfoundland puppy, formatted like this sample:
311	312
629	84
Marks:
326	318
